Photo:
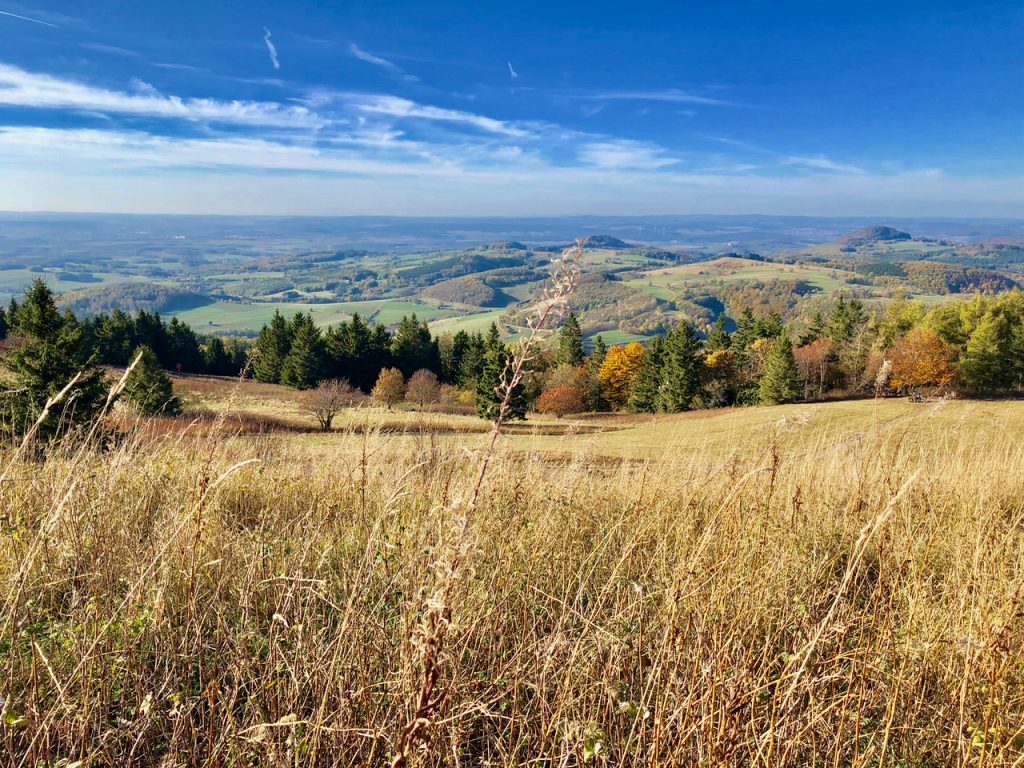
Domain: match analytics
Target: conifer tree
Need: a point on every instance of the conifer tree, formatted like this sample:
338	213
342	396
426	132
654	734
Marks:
472	363
50	350
570	342
452	354
594	399
744	335
814	331
148	389
718	338
215	357
412	347
271	348
489	387
182	351
647	385
301	367
597	354
680	369
780	382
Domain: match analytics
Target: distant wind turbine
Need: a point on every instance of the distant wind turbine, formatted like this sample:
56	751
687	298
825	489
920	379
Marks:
512	71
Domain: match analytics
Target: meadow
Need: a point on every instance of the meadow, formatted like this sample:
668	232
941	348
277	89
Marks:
835	584
248	318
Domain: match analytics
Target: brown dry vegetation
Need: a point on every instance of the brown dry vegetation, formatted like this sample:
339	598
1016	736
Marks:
772	587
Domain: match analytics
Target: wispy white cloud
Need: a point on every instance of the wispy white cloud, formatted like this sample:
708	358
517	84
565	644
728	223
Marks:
808	162
395	106
378	61
113	50
512	73
624	155
26	18
271	48
669	95
822	163
27	89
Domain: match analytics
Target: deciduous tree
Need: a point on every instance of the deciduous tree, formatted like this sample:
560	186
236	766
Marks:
560	401
422	387
328	398
618	371
922	360
390	388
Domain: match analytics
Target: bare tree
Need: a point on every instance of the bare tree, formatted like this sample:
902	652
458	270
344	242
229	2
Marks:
423	387
330	396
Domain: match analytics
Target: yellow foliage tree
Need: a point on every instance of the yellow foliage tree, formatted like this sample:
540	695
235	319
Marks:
618	371
922	359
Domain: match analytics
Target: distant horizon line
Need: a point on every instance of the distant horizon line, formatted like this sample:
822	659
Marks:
520	217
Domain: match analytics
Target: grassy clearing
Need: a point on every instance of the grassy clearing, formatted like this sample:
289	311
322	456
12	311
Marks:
807	585
227	316
13	282
731	269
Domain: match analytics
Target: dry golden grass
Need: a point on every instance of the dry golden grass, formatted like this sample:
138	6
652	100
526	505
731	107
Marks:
827	586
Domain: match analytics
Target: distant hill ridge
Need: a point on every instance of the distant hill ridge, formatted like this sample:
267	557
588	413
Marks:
874	234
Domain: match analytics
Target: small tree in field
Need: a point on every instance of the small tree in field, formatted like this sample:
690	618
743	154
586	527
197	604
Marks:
389	389
423	387
560	401
329	397
148	389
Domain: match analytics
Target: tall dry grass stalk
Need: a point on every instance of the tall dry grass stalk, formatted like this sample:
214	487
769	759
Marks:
429	636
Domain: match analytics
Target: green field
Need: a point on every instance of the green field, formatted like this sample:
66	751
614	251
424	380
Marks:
237	317
478	322
13	282
661	282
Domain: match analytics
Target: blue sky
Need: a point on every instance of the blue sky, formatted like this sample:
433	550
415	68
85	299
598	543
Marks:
517	108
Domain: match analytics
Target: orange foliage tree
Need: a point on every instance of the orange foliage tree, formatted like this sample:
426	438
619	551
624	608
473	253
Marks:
922	359
618	371
560	401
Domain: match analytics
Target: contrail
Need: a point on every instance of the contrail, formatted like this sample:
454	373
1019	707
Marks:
512	71
271	49
26	18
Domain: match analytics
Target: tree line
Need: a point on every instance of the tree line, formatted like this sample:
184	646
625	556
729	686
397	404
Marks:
975	346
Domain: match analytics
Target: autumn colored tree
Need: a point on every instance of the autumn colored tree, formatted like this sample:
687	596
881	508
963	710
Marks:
390	388
560	401
815	364
921	360
618	371
422	387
